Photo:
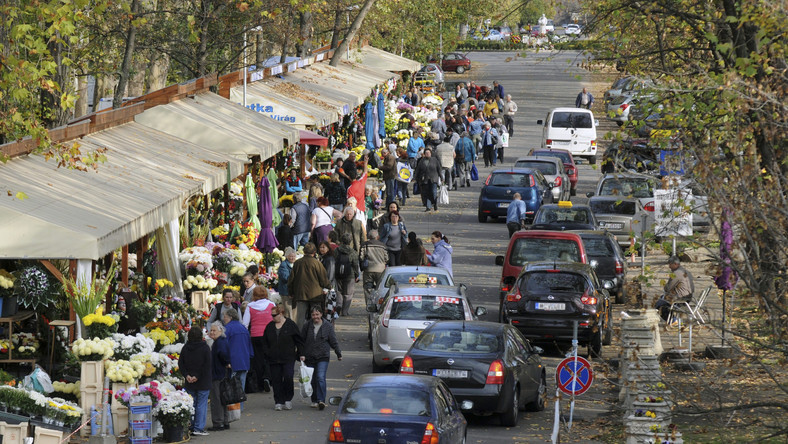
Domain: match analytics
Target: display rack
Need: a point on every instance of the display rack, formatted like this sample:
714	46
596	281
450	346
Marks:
140	423
11	320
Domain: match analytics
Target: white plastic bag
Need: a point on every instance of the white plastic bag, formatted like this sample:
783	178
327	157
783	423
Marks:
443	195
505	140
305	380
39	381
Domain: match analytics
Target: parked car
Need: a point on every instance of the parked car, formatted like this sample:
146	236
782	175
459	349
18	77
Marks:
572	29
398	408
453	61
505	31
607	260
406	311
624	108
572	129
499	188
553	170
405	274
487	363
549	297
493	35
620	185
621	216
626	86
635	156
569	164
564	216
433	70
534	246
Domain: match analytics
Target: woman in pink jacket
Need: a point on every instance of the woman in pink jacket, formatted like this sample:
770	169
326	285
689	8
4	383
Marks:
256	318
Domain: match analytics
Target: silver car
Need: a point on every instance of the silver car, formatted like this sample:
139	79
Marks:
621	216
552	168
406	311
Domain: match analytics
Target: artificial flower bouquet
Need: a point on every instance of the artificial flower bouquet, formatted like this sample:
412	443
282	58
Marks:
175	409
93	349
197	260
123	371
25	344
126	345
150	392
99	325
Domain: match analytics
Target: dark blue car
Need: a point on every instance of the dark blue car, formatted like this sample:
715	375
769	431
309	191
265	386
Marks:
383	409
501	185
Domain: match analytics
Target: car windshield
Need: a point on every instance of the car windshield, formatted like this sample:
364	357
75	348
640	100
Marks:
544	249
417	278
564	156
557	215
597	246
627	186
546	168
427	307
511	180
571	120
459	341
547	281
387	401
626	207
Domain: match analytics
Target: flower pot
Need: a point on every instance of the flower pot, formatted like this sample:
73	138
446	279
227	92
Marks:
10	306
173	434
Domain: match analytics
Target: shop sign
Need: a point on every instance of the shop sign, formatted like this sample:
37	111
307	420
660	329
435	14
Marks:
270	111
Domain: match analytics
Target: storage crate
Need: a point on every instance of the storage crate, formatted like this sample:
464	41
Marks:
47	436
92	374
200	300
13	433
89	398
120	421
141	440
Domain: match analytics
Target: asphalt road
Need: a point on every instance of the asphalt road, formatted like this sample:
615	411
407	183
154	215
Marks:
537	83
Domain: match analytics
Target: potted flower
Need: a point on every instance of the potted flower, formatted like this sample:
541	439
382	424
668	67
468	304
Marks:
93	349
99	325
5	346
144	393
126	346
87	296
174	412
323	160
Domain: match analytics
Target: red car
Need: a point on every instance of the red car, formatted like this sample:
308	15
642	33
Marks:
454	61
569	164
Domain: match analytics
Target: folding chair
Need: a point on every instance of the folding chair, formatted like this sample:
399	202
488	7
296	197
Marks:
695	313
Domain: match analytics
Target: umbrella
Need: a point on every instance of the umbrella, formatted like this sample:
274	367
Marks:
251	202
728	277
276	218
266	241
381	116
369	125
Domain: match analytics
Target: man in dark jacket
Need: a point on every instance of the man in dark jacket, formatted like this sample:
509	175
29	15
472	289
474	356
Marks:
389	169
220	364
466	154
346	271
350	224
377	256
428	173
306	284
302	219
195	366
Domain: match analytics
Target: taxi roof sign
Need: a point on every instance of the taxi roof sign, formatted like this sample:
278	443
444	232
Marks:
564	204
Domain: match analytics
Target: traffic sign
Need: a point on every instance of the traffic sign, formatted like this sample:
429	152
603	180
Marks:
574	375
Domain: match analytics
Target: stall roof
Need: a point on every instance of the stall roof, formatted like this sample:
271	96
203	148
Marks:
220	125
372	57
145	183
310	138
294	107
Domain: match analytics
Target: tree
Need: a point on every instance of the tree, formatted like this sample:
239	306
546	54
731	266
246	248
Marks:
351	33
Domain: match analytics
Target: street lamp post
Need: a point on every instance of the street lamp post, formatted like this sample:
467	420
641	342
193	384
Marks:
246	64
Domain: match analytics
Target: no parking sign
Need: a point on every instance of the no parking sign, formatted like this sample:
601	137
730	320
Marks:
574	375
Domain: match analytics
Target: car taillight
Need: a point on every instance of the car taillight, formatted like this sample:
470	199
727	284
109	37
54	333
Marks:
335	434
495	373
406	366
548	142
558	181
619	267
593	144
533	182
649	206
624	106
514	296
431	435
487	182
588	299
505	286
386	315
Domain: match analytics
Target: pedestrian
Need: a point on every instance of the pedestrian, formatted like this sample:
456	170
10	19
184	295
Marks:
489	140
350	168
307	284
584	100
352	225
509	110
445	154
319	338
346	271
476	130
227	303
497	89
516	215
283	345
464	155
427	174
256	318
284	235
371	203
301	220
441	254
490	106
393	235
438	126
414	252
473	90
195	366
679	288
374	251
502	137
415	146
248	282
322	219
336	192
240	343
293	184
220	366
327	257
389	170
315	193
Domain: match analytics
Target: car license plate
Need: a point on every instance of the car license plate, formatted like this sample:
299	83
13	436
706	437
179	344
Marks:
503	205
449	373
550	306
415	333
612	225
560	142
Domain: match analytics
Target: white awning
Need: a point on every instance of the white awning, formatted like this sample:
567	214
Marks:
298	110
220	125
145	183
372	57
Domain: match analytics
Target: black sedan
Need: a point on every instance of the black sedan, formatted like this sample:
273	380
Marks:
549	297
488	363
398	409
607	259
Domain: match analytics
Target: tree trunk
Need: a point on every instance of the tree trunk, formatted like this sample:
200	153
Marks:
286	40
337	24
305	34
351	33
158	69
125	67
81	106
259	53
136	86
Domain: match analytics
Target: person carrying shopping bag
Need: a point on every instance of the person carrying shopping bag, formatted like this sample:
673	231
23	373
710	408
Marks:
319	338
282	343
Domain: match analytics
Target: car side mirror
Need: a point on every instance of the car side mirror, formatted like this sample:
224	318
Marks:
538	350
334	400
372	308
589	194
481	311
466	405
540	122
499	260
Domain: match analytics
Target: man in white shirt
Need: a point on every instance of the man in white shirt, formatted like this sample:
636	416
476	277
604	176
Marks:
509	109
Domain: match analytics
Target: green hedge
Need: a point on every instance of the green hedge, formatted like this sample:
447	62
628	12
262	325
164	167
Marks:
508	45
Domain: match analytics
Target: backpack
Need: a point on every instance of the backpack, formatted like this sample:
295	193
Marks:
343	268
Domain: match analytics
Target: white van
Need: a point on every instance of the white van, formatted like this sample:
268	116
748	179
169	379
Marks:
572	129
